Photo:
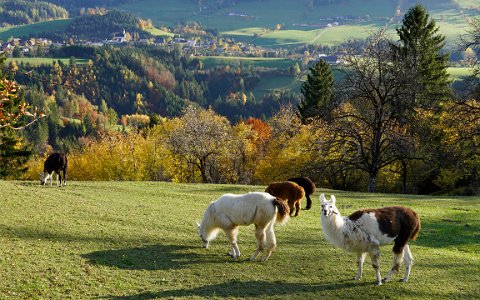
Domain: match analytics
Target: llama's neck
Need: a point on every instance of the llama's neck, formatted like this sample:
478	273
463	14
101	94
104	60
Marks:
208	230
334	228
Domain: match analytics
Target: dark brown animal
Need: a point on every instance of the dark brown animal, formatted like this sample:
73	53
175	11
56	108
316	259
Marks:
308	186
56	162
288	191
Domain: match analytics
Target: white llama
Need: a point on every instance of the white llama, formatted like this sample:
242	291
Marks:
230	211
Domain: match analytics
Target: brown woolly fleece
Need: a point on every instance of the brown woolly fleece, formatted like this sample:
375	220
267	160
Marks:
288	191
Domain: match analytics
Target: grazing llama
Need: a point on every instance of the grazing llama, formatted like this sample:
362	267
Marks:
55	162
308	186
288	191
366	230
230	211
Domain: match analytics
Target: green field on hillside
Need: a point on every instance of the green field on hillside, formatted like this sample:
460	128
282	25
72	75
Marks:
211	61
158	32
42	60
35	29
303	25
137	240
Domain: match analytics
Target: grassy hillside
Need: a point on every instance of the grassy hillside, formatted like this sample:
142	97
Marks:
137	240
301	24
42	60
34	29
211	61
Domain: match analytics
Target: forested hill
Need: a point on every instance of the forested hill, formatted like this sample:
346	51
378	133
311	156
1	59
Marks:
76	7
16	12
102	26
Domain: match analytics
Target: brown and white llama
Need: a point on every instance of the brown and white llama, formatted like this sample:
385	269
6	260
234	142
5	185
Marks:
308	186
231	211
288	191
366	230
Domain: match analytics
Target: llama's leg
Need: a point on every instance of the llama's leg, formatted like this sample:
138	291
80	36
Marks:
297	207
271	241
397	262
51	179
260	236
360	261
232	239
65	177
309	202
407	255
291	206
375	256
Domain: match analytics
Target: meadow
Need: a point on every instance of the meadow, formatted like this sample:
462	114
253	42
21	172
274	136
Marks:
35	29
137	240
36	61
302	25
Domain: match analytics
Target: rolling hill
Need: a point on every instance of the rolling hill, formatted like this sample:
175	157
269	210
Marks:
256	20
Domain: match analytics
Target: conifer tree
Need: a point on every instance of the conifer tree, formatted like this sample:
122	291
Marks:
419	55
317	92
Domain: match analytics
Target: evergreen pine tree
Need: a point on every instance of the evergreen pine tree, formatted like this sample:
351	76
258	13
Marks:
419	54
13	154
317	92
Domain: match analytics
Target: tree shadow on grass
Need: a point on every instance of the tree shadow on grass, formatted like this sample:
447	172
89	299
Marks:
154	257
237	288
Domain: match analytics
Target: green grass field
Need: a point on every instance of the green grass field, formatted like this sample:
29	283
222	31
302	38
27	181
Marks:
42	60
137	240
211	61
300	24
33	29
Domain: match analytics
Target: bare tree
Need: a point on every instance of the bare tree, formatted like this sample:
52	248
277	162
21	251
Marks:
365	132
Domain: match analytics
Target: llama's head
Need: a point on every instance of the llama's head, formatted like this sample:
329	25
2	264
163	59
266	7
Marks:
202	234
44	176
328	207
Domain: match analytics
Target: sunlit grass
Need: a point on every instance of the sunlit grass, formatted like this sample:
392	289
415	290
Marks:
36	61
137	240
35	29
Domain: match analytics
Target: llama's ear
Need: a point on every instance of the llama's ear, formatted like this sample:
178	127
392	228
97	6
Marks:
322	198
333	199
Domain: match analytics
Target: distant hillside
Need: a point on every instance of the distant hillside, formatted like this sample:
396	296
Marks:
325	22
77	7
19	12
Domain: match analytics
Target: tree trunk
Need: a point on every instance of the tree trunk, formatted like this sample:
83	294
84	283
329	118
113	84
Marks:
474	181
404	176
372	178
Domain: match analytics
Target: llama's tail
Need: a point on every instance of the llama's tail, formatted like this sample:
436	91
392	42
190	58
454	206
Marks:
283	211
417	229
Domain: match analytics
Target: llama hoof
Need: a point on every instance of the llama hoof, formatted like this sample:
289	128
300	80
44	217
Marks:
379	282
403	280
357	278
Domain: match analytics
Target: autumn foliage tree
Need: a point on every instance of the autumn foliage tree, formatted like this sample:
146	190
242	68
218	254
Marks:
201	137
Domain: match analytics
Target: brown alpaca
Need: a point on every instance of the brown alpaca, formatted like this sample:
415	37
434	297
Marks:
288	191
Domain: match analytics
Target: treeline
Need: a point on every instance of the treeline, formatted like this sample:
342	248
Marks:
103	26
75	7
18	12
